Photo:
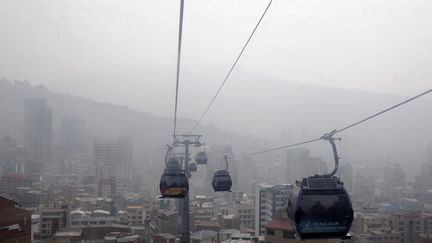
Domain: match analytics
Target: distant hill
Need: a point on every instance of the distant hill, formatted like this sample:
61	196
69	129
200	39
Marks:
102	120
281	112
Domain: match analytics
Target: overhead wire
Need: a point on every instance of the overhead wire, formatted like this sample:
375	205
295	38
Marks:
231	69
330	134
277	148
383	111
178	64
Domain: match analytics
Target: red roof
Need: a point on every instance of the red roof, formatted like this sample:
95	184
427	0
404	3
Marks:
280	224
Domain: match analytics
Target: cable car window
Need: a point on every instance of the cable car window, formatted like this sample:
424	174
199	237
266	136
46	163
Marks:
323	213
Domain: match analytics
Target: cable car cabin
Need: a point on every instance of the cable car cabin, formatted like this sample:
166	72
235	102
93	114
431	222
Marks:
201	158
193	167
222	181
320	208
174	182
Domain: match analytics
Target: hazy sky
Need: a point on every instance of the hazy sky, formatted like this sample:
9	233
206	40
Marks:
77	46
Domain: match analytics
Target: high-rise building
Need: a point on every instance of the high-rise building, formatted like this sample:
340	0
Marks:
346	174
364	187
246	173
423	181
394	177
246	212
429	155
409	224
37	135
270	203
112	162
54	219
301	164
11	156
72	135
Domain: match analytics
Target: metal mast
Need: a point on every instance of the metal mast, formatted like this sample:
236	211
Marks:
186	140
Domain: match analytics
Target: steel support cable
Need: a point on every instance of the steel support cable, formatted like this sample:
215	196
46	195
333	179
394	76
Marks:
178	63
329	135
274	149
231	69
383	111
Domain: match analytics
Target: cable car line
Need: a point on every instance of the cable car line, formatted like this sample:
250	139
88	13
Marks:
274	149
384	111
178	63
329	135
231	69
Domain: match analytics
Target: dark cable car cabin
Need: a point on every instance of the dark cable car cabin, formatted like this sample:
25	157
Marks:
193	167
320	206
201	158
174	182
222	180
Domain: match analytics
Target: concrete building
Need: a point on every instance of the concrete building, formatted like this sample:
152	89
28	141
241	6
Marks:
38	135
408	224
424	238
237	237
204	236
270	203
246	213
53	220
165	238
167	221
99	217
204	212
394	177
10	181
423	181
280	230
136	214
71	129
364	187
365	222
112	161
11	156
230	221
300	164
379	236
247	174
346	174
15	223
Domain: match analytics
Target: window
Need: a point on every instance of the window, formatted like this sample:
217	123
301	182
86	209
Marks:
270	232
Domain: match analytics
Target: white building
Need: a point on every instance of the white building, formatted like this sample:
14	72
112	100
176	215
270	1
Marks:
300	164
270	203
80	218
136	214
112	161
38	135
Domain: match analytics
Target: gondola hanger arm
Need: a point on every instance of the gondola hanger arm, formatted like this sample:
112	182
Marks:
329	137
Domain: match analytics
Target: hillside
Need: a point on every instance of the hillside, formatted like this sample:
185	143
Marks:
102	120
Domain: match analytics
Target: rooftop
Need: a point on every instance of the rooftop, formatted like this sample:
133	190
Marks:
203	234
281	224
